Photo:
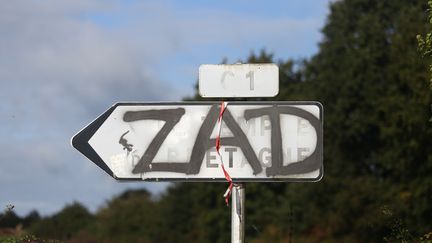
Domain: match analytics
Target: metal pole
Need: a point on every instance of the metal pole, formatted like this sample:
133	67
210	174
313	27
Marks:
237	213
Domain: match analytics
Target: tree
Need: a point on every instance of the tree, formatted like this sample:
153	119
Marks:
31	218
64	225
425	42
130	217
371	82
9	219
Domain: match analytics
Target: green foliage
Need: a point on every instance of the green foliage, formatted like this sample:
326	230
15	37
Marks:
131	217
26	238
425	42
31	218
63	225
195	212
427	238
9	219
371	83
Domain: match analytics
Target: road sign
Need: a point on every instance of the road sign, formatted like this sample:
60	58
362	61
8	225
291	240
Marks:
260	141
238	80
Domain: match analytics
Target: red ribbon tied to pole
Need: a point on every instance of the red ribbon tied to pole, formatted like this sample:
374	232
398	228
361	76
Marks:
227	194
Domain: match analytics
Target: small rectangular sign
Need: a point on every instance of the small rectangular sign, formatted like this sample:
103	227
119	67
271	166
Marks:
260	141
238	80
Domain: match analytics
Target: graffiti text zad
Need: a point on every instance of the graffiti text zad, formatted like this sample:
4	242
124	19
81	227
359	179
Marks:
273	160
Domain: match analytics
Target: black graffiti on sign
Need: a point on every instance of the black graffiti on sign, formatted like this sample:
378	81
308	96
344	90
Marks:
204	142
124	142
308	164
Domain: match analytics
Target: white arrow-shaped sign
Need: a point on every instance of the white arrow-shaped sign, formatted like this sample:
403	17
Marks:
260	141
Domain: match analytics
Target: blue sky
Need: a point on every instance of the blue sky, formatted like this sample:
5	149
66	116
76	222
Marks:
62	63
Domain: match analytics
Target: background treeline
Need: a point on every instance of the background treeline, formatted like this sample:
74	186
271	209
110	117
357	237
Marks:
377	186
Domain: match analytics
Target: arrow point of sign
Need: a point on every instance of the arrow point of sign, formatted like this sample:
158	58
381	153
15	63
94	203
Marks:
81	140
